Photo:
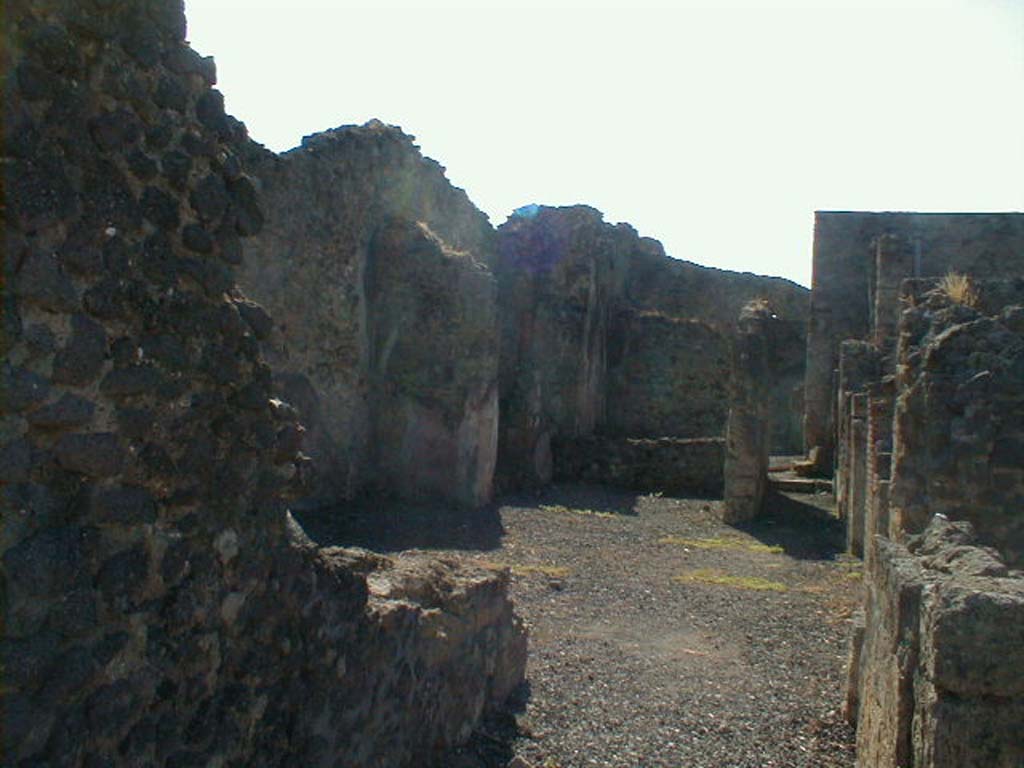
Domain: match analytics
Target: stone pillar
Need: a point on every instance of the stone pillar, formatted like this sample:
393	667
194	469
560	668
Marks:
894	262
857	473
881	401
749	426
858	367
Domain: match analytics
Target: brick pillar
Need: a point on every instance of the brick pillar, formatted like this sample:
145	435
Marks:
881	401
857	473
858	367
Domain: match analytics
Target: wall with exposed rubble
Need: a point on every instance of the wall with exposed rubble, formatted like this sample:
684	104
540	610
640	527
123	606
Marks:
433	366
856	278
377	273
666	376
959	414
160	608
559	272
931	484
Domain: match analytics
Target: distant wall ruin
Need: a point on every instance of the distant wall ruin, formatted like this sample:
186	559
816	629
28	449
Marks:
392	297
605	336
856	278
558	275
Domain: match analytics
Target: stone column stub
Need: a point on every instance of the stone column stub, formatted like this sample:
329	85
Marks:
749	425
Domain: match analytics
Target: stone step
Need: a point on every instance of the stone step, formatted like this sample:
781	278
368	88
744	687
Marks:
800	484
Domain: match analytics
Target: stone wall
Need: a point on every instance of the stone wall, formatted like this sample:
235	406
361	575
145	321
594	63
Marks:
959	414
716	296
433	367
932	483
559	272
602	333
677	288
160	607
938	680
667	465
856	273
344	206
881	397
666	376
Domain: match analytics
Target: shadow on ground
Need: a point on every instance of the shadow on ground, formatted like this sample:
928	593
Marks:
578	496
802	524
492	744
389	525
385	524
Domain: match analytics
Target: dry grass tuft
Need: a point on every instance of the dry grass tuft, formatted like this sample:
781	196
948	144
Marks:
551	571
709	576
570	511
959	289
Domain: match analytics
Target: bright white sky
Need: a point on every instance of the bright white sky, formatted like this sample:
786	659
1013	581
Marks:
716	127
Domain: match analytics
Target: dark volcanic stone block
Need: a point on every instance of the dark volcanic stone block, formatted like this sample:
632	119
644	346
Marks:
47	562
210	198
114	130
83	357
98	454
69	411
22	389
136	380
124	505
160	208
41	281
197	239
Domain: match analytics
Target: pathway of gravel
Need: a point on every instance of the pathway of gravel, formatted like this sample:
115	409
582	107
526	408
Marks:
660	637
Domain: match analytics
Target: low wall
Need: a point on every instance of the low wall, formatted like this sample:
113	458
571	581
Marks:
669	465
938	677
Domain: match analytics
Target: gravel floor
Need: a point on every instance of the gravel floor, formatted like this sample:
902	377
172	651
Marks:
658	635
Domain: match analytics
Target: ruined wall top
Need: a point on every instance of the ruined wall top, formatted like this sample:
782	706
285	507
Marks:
653	280
369	172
